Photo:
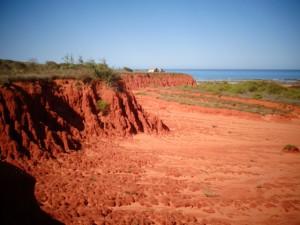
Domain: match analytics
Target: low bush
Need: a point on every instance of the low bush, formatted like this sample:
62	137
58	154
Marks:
291	149
103	72
102	106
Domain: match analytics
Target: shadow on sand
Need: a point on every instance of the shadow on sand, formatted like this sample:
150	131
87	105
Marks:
18	204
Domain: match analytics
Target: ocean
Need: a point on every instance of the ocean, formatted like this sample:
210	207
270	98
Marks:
236	75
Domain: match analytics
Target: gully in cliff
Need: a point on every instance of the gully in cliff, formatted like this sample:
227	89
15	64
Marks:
45	117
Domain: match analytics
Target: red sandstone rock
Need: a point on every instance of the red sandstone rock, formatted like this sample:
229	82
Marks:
38	118
142	80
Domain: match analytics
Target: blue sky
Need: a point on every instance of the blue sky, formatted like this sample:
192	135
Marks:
216	34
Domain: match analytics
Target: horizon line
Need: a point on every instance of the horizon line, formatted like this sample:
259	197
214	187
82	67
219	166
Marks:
165	68
281	69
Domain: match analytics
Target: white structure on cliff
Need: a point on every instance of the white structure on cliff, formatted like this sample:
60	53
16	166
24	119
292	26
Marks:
156	70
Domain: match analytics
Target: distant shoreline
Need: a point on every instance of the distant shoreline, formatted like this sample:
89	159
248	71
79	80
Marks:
231	69
282	76
243	80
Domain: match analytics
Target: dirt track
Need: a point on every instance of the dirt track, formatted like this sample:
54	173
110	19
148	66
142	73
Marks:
210	169
223	168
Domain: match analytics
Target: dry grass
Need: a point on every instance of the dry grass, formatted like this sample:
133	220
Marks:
27	71
267	90
215	102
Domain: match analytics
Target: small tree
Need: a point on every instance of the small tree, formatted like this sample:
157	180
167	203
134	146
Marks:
80	60
71	60
68	59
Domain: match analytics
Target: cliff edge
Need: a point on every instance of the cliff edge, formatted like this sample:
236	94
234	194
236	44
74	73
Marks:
137	80
41	118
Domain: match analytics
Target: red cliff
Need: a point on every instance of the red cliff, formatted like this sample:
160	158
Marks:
45	117
141	80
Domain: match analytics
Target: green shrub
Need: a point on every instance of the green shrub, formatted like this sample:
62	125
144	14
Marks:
102	106
103	72
257	96
291	148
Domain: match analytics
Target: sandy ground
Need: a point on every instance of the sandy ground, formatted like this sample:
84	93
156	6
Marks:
211	168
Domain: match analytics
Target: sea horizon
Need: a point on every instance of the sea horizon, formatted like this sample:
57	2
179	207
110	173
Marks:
289	75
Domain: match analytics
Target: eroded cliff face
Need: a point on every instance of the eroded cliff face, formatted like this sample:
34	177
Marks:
142	80
42	118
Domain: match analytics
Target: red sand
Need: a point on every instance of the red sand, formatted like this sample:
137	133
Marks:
211	168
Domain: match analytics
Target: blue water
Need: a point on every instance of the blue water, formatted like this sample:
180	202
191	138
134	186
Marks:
233	75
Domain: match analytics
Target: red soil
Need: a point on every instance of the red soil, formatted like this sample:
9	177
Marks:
292	111
142	80
211	168
42	118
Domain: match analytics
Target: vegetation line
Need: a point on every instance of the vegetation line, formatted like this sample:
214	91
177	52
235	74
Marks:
13	70
267	90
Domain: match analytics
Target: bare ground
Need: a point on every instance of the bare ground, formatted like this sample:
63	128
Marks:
214	167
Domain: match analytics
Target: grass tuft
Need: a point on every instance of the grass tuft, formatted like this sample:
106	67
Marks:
102	106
